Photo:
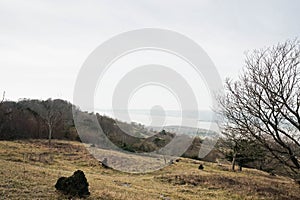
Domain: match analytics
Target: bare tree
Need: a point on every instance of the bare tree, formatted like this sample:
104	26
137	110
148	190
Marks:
264	102
242	150
51	117
3	97
1	111
49	112
230	145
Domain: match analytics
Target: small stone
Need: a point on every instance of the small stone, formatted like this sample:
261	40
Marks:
201	167
104	163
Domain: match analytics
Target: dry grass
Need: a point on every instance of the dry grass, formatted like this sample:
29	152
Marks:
29	170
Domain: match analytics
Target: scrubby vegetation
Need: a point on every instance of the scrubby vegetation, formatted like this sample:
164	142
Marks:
29	170
37	119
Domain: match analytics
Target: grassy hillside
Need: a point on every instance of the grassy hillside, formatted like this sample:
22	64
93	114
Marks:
29	170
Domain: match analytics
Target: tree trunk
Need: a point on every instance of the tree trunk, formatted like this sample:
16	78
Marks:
233	161
50	134
38	124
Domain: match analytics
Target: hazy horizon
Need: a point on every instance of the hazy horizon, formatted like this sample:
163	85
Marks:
43	45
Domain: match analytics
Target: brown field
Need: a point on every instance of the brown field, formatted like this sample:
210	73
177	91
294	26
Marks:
29	170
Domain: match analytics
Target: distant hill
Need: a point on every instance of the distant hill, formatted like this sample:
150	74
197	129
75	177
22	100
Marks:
202	133
25	119
19	121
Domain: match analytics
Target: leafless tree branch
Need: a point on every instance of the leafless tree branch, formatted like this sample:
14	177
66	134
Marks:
264	102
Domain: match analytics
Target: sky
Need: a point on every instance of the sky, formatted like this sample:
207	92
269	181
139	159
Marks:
43	44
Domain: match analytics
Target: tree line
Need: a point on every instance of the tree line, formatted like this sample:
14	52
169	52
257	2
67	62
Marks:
43	119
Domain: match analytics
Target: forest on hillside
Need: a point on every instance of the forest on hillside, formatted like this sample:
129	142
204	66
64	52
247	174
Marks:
53	119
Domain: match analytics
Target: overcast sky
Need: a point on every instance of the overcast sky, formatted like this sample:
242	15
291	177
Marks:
44	43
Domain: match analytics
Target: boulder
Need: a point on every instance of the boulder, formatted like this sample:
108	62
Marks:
75	185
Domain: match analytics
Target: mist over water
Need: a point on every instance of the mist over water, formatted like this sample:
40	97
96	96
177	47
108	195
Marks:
206	119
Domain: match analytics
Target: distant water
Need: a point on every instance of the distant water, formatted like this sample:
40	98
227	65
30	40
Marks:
204	119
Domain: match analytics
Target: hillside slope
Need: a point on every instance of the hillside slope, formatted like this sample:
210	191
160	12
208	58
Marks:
29	170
